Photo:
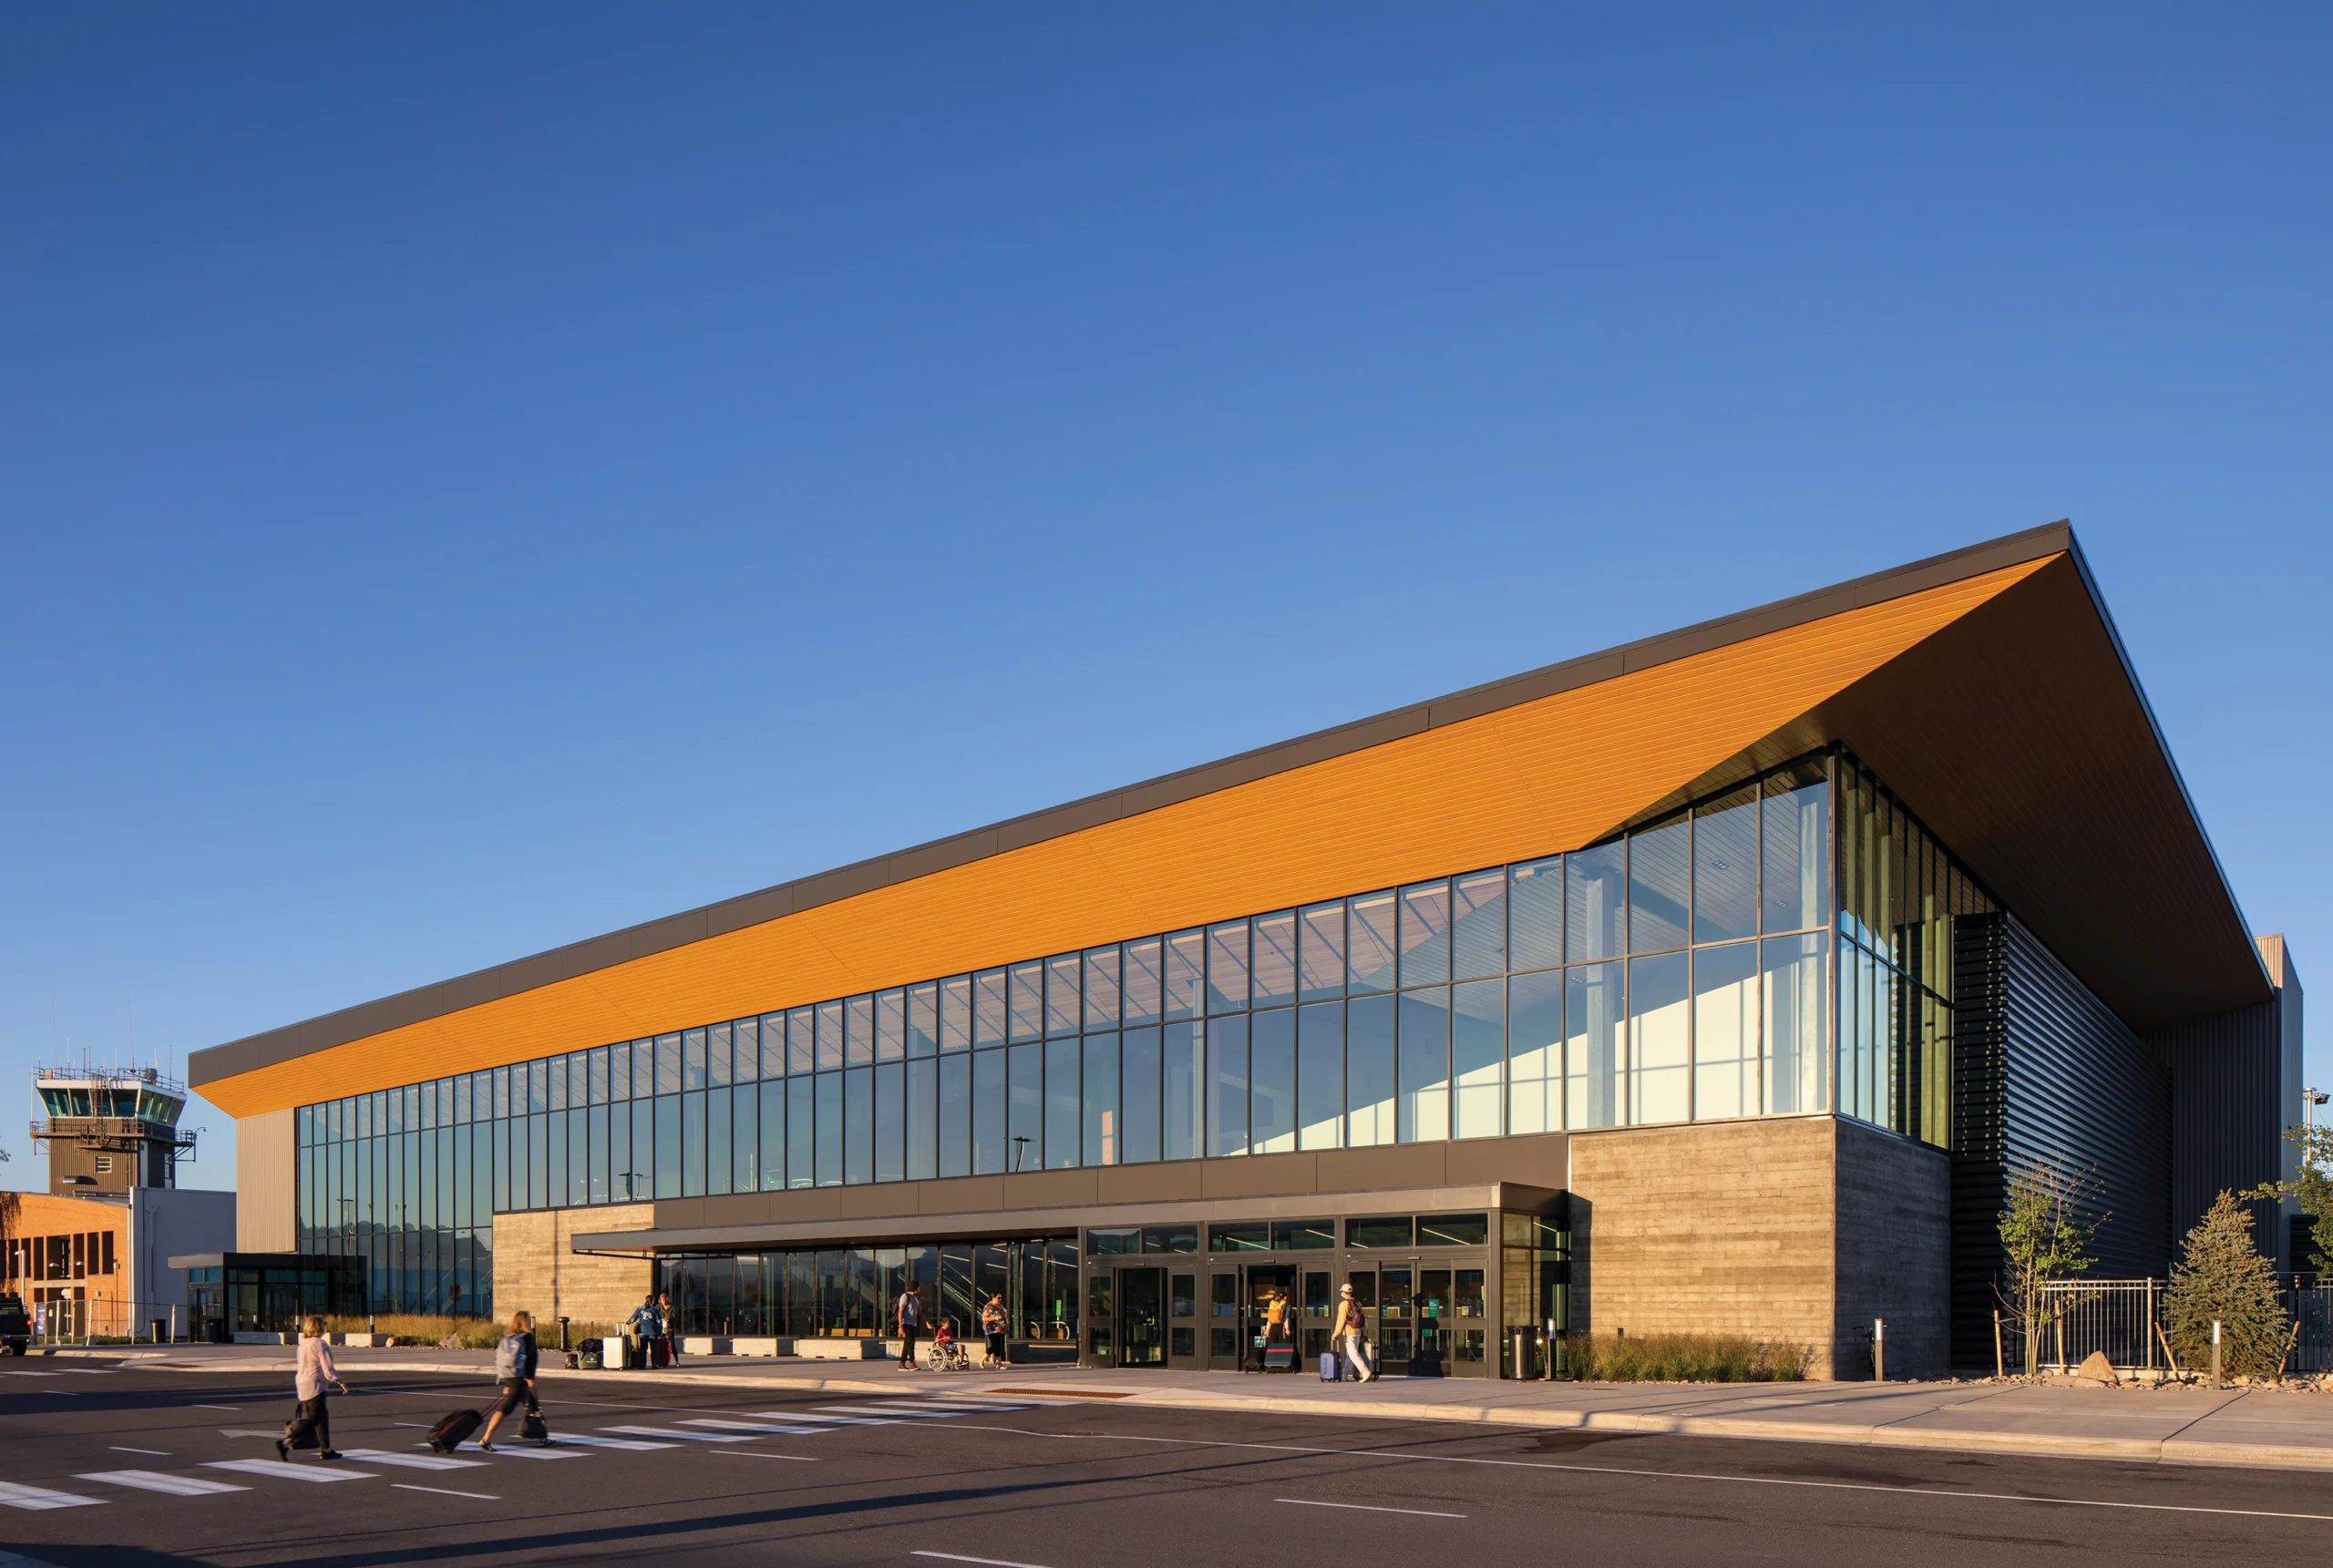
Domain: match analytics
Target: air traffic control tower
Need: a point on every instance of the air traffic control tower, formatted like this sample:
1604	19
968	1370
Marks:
107	1130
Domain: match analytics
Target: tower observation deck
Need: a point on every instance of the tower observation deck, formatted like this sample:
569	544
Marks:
107	1130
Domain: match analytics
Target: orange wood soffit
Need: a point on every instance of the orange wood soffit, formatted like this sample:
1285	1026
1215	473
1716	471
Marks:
1547	775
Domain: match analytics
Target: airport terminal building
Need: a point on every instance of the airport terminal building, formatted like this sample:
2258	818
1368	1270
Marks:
1715	982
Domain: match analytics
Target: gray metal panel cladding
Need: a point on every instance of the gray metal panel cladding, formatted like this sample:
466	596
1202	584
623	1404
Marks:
2226	1133
2043	1071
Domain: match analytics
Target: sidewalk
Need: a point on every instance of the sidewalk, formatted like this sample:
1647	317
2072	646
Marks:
2171	1425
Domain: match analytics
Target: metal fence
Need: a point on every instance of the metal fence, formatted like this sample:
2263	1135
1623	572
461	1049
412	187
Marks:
2124	1317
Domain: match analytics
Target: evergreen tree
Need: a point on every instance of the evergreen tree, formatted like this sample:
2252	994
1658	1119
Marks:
2221	1274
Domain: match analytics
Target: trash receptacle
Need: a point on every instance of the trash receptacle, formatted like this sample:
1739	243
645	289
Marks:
1524	1340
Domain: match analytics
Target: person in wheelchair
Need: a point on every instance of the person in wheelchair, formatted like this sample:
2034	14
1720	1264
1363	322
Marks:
947	1354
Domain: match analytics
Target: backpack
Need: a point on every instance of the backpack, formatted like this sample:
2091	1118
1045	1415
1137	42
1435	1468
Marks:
510	1356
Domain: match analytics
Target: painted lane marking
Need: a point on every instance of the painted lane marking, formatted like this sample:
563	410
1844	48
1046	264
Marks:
1683	1475
28	1374
633	1445
231	1409
677	1433
764	1453
1367	1507
759	1428
446	1491
276	1466
414	1461
15	1494
154	1480
158	1453
989	1562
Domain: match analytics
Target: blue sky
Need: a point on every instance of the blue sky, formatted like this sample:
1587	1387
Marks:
474	478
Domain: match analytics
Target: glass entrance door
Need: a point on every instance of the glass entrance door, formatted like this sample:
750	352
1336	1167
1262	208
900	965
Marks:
1142	1317
1430	1357
1381	1294
1271	1309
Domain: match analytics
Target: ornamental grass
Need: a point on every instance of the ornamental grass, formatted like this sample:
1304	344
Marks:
1684	1358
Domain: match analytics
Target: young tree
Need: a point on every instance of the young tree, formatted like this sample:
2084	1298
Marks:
2221	1276
2311	1191
2044	1236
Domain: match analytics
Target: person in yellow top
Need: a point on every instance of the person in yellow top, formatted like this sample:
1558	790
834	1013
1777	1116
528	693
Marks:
1351	1333
1276	1316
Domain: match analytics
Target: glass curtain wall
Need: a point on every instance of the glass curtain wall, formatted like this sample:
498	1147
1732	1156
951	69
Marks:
1899	895
846	1291
1679	972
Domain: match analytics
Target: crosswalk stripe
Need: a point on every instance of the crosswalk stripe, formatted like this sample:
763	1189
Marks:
15	1494
28	1374
889	1412
414	1461
588	1440
759	1428
677	1432
906	1409
155	1481
276	1466
824	1420
547	1453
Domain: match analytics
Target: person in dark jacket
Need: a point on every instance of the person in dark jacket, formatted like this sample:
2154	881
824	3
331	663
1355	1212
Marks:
514	1368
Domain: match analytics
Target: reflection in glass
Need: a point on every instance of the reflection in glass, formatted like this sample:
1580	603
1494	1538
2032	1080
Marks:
923	1019
1660	886
1535	903
801	1047
1725	1030
1368	1071
771	1165
1660	1038
1101	988
1725	868
1138	1094
1025	999
1062	1119
1371	943
1026	1110
801	1143
956	1115
890	1024
857	1125
1478	1052
1185	975
1320	966
1271	1070
1320	1075
1425	934
891	1121
1144	979
991	1153
1594	1013
1595	903
1182	1050
1422	1110
956	1013
989	1009
829	1036
1061	1003
1226	966
1534	1052
1103	1137
858	1031
1478	925
1227	1086
1797	852
1273	975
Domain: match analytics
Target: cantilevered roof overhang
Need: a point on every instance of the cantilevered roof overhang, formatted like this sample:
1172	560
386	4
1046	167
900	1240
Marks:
1988	688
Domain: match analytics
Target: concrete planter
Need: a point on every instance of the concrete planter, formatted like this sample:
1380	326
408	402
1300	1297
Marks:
764	1346
843	1349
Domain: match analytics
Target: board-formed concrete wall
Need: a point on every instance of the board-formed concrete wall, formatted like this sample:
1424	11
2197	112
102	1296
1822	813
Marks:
1894	1254
1796	1230
1725	1227
536	1271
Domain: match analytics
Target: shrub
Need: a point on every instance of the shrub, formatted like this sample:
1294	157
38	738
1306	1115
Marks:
1684	1358
2221	1274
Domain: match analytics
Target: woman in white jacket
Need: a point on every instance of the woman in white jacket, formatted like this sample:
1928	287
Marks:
316	1369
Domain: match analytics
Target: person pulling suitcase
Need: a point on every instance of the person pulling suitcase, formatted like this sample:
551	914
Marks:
514	1369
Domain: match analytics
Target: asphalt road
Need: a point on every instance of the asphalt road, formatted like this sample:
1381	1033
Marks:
152	1468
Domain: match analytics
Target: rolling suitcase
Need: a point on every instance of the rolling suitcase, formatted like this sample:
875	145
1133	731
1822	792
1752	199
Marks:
1279	1358
1332	1367
532	1429
452	1431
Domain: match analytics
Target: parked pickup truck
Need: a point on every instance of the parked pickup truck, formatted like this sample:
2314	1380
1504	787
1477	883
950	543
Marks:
15	1328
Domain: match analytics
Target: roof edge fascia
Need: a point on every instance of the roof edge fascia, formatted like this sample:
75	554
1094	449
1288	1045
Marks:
591	954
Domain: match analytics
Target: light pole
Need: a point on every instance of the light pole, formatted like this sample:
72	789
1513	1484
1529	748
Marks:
2311	1099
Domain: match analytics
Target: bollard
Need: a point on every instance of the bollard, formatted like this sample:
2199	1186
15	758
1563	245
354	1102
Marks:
2216	1352
1879	1350
1522	1352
